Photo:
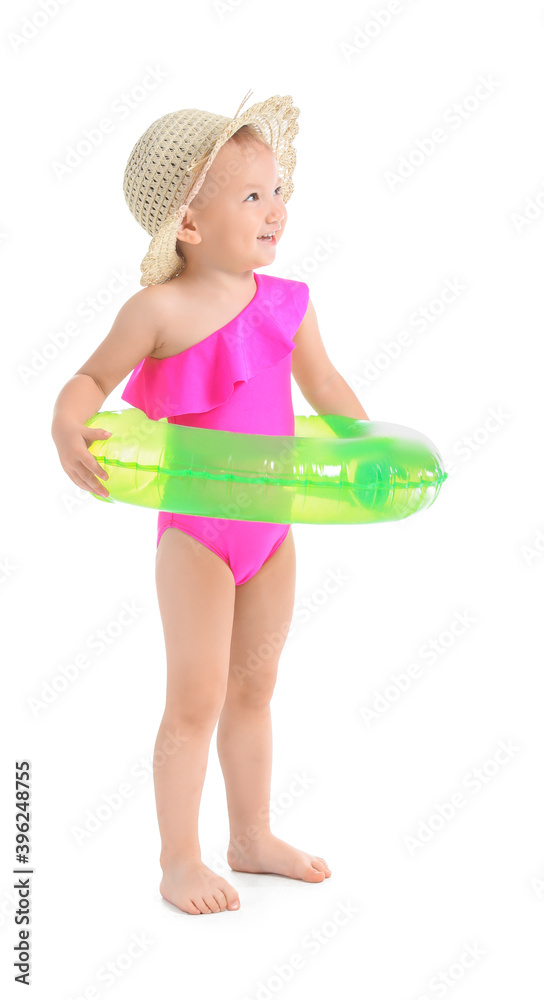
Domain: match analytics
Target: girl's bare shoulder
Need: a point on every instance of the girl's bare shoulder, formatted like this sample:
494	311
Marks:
136	333
185	316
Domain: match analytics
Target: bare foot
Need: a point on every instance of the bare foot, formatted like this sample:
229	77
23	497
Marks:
270	855
195	888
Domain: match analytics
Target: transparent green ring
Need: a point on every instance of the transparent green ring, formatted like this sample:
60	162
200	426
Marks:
333	470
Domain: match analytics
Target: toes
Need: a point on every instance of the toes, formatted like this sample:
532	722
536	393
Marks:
192	907
326	868
223	899
314	874
320	865
218	902
206	907
219	895
233	900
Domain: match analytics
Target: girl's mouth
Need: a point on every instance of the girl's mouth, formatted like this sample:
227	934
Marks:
268	239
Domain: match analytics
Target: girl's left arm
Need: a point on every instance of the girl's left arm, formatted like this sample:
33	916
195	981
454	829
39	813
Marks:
317	378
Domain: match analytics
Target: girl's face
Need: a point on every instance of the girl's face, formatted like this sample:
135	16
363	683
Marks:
239	202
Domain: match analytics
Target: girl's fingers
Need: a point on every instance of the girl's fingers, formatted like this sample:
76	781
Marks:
90	482
99	471
97	487
77	480
89	464
96	432
88	487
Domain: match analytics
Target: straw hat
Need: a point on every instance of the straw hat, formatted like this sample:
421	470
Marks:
161	180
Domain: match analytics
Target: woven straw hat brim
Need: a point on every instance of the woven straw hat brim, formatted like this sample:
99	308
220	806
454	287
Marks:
276	118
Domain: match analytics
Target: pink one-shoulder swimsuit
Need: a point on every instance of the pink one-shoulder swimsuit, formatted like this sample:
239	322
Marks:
236	379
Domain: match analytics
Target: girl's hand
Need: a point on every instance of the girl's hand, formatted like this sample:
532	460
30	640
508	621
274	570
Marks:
72	440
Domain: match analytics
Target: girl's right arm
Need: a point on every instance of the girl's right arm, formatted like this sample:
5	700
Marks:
134	334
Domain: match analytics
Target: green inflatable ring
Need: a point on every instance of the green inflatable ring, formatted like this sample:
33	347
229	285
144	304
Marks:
334	470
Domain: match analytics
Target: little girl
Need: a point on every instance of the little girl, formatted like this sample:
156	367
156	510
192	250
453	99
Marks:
212	343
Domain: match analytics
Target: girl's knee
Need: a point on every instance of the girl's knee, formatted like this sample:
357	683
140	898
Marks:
194	708
253	688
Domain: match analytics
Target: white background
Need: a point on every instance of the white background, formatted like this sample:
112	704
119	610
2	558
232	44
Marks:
470	212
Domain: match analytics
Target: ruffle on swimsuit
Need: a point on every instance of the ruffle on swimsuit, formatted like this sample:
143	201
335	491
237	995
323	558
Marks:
204	375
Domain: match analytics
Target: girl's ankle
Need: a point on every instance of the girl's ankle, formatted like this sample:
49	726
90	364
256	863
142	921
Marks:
169	859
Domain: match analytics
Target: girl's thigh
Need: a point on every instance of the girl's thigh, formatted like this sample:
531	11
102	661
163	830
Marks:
263	612
196	594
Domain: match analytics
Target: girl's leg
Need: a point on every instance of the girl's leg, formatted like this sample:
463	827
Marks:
262	616
195	590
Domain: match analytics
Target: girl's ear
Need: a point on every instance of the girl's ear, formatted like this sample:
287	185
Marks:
187	230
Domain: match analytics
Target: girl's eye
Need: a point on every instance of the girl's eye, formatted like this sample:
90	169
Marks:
254	192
